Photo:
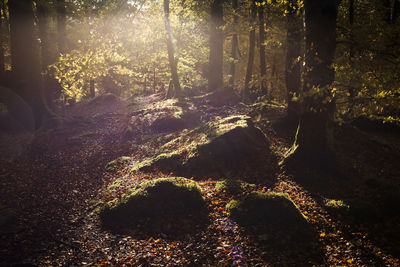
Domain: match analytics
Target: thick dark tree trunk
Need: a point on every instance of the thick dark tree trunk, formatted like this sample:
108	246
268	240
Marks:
250	59
263	66
171	57
235	43
392	10
314	138
61	26
24	56
215	71
43	15
293	60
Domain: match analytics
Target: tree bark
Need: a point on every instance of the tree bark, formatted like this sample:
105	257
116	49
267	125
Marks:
2	38
42	14
171	57
293	62
24	56
314	138
396	11
235	43
61	26
215	71
351	51
263	67
250	59
91	88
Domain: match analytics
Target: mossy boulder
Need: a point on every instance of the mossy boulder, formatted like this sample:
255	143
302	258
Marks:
354	210
8	219
232	186
267	209
363	211
222	148
152	203
112	165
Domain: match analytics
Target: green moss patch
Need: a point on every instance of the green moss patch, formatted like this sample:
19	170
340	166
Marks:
161	205
222	148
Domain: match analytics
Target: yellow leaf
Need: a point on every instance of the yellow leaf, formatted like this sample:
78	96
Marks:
322	234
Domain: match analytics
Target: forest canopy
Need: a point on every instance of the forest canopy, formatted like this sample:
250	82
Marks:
122	47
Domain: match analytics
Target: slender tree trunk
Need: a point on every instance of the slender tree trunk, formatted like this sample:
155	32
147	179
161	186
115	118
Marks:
263	66
43	14
314	138
215	71
171	56
396	11
24	55
61	26
294	39
235	43
250	59
2	38
91	88
351	52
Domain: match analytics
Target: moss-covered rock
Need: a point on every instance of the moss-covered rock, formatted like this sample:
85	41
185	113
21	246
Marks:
363	211
391	203
232	186
269	209
110	166
8	218
221	148
153	202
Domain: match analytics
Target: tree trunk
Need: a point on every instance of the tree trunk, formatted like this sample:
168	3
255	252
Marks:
396	11
91	88
314	138
2	38
42	14
263	67
250	59
294	39
351	52
171	56
61	26
235	43
215	71
24	56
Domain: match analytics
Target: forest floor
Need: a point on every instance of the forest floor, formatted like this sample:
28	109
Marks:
49	191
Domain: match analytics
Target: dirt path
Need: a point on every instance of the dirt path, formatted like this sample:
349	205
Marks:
50	185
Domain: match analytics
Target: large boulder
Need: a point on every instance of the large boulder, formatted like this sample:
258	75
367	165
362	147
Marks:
272	209
222	148
153	203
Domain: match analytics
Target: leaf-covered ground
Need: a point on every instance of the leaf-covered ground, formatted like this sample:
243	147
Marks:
52	186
